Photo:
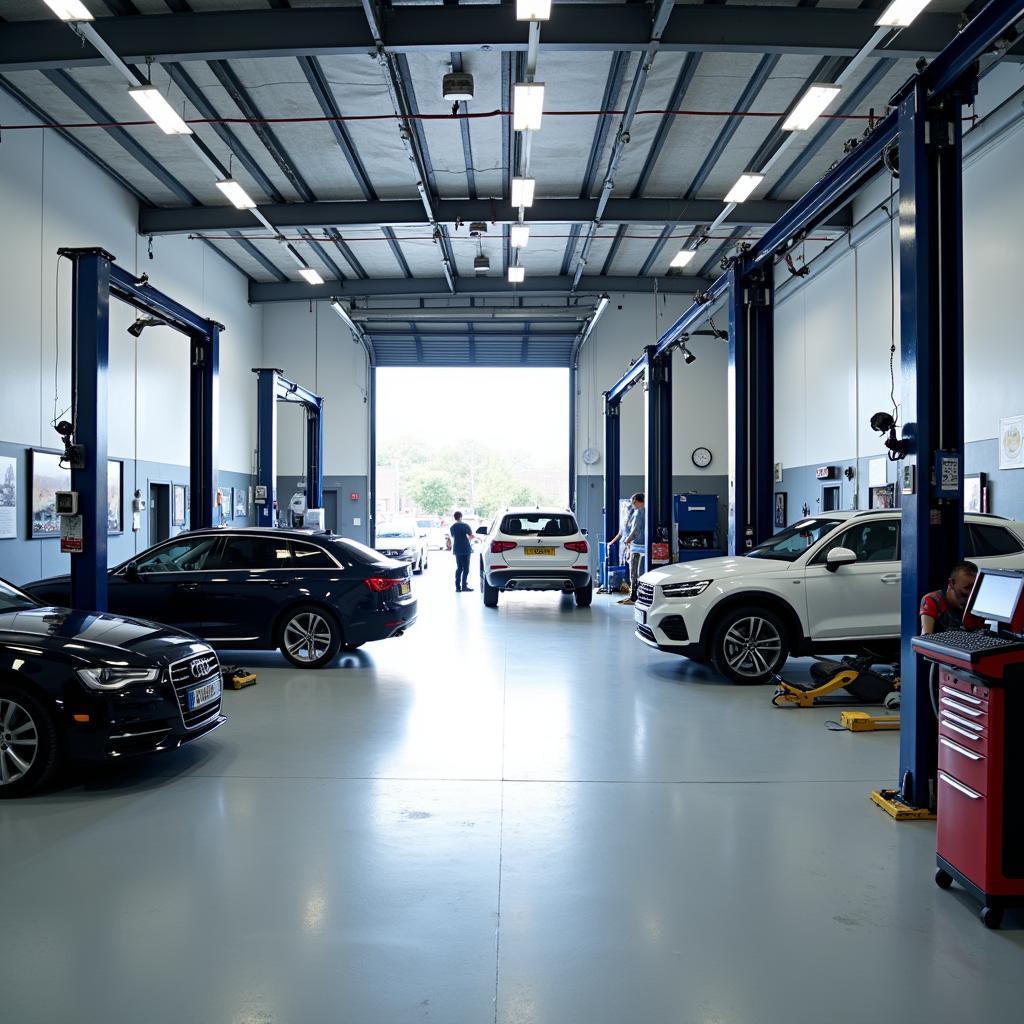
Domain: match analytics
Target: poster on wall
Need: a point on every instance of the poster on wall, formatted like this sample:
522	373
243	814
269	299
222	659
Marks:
1011	442
883	497
975	493
115	490
48	477
8	497
239	501
780	508
178	511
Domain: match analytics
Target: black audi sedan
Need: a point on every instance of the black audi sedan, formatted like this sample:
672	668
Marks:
306	592
95	687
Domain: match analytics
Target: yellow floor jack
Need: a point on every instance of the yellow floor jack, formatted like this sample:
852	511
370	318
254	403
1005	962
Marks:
850	681
237	678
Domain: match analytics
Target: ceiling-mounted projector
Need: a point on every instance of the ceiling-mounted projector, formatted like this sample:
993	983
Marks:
482	265
457	86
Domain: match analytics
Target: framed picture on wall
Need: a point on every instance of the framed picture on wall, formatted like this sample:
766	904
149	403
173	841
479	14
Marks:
975	493
780	509
48	477
115	499
239	502
883	497
8	497
178	506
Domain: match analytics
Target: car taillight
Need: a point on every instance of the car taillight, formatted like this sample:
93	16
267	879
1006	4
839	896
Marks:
577	545
381	583
497	546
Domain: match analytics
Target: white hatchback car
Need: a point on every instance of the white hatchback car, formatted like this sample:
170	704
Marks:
535	549
826	584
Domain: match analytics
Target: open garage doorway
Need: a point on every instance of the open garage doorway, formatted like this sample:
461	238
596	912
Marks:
473	439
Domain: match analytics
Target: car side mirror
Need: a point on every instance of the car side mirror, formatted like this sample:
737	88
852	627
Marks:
584	532
838	557
482	530
131	570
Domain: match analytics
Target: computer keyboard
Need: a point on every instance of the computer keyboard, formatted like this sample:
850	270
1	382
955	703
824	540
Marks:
975	643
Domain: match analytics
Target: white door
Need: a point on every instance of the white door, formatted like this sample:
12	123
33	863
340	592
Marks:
862	599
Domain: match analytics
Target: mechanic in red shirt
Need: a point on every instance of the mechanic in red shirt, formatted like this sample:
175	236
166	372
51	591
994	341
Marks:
944	609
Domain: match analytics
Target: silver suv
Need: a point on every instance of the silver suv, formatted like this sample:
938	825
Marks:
535	549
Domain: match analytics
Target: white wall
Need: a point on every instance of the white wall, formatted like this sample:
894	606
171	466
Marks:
699	410
312	346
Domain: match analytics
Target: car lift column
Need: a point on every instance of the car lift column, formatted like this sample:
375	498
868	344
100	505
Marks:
90	347
612	480
658	450
751	411
204	427
931	363
315	453
266	440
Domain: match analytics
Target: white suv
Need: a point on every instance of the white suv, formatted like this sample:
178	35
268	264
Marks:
535	549
827	583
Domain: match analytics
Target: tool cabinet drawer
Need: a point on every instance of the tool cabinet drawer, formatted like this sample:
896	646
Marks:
962	763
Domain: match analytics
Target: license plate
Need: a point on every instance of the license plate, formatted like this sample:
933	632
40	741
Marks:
405	588
550	552
200	695
640	616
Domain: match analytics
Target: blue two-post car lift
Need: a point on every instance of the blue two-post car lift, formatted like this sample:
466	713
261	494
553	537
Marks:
96	279
273	387
926	124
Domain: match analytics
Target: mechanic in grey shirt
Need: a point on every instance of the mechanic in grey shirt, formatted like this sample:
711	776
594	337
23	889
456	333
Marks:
637	546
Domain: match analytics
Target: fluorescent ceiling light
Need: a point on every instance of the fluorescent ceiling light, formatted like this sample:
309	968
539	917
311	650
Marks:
519	235
900	13
240	199
683	257
516	275
743	187
69	10
812	105
163	114
533	10
527	106
522	191
344	314
311	275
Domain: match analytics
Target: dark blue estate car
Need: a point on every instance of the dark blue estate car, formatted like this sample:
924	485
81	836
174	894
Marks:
308	593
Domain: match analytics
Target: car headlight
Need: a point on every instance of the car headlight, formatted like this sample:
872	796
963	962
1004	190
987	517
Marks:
116	678
685	589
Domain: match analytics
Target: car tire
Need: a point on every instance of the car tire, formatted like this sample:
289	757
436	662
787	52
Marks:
750	645
418	567
489	593
584	596
24	721
426	560
309	637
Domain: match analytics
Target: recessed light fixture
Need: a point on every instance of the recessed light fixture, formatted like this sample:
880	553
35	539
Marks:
746	184
522	191
533	10
311	275
527	106
69	10
900	13
163	114
812	105
519	235
240	199
683	257
516	275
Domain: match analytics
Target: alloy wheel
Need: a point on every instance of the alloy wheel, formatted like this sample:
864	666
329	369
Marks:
752	647
307	637
19	742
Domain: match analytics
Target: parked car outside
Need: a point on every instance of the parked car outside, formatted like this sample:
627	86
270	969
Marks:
828	583
306	592
535	549
404	540
435	530
88	686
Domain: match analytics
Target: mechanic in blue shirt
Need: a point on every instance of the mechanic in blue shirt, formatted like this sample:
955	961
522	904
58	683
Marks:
635	541
462	549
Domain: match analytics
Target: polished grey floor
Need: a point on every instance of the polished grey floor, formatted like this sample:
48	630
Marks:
521	816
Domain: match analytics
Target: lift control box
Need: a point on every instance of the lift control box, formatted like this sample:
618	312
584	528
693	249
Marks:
696	519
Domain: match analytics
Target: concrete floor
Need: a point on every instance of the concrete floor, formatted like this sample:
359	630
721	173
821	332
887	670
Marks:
521	816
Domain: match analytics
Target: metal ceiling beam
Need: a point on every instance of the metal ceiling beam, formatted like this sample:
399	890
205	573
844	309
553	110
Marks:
410	213
505	315
293	291
327	31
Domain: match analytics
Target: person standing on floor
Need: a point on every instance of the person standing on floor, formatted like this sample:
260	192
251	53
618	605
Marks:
636	543
462	549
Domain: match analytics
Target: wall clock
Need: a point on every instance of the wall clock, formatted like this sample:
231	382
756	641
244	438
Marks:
701	457
591	456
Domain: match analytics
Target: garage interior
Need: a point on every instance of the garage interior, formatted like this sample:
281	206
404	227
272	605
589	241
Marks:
526	813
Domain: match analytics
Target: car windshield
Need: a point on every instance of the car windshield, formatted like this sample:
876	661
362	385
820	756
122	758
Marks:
396	531
13	600
792	542
352	551
526	524
427	524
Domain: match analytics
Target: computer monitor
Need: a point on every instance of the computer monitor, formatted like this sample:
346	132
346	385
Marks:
996	596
